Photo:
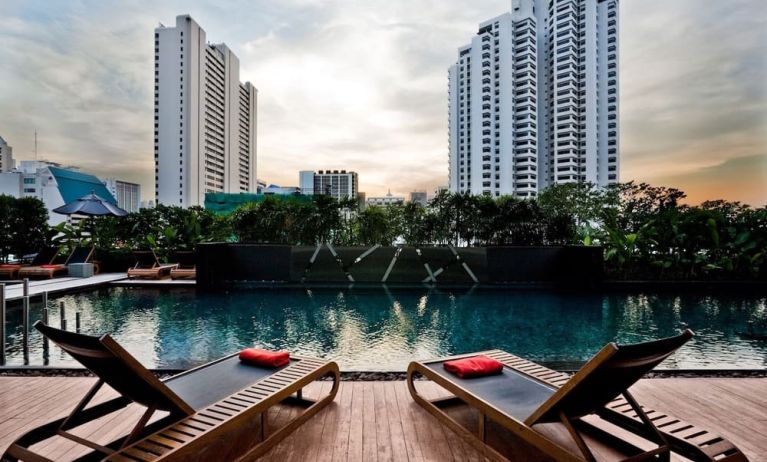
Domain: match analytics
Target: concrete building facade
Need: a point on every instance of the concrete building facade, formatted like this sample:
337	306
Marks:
204	118
6	157
533	100
128	195
337	183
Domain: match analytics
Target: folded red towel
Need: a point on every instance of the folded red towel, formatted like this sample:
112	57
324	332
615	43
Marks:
9	266
476	366
49	266
264	358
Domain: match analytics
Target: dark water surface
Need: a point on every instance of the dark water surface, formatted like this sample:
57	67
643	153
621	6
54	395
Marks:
383	329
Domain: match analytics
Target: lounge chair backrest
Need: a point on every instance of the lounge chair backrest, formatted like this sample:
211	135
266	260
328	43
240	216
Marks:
185	259
608	374
117	368
146	259
80	255
45	256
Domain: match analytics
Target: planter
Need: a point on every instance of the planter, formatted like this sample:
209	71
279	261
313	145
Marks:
222	265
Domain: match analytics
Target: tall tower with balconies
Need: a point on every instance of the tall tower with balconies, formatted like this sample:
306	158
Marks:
204	118
533	100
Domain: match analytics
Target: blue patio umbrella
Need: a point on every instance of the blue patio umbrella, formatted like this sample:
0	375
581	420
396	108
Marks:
91	205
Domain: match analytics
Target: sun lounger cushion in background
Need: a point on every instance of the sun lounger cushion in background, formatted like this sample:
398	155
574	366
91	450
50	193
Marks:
475	366
264	358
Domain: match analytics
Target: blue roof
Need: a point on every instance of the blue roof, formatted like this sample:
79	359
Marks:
74	185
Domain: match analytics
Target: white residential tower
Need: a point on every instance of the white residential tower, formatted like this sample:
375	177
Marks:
204	118
533	100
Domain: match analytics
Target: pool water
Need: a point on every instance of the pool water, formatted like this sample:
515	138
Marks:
382	329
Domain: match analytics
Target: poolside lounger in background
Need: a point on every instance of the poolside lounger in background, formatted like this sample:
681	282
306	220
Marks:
527	397
148	266
217	411
187	265
45	256
78	255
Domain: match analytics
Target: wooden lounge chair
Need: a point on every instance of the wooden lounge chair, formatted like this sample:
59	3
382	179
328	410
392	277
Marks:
217	411
45	256
527	394
187	265
148	266
49	267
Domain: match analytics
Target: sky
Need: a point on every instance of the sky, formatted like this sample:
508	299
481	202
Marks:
362	85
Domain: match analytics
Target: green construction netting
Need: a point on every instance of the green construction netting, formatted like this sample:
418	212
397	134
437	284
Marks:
224	204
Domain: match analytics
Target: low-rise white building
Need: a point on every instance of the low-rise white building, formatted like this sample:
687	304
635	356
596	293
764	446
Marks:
53	184
128	195
388	199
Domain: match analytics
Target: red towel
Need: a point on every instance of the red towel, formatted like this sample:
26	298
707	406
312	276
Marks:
49	266
7	265
264	358
476	366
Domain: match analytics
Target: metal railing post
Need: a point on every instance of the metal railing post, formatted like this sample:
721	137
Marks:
45	321
2	324
77	322
25	287
63	315
25	327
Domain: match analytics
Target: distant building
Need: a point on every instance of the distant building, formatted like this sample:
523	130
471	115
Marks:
204	118
128	195
306	182
6	157
440	189
146	205
276	190
419	197
337	183
533	100
53	184
388	199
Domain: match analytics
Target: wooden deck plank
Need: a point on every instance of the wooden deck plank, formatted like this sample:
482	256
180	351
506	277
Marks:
379	421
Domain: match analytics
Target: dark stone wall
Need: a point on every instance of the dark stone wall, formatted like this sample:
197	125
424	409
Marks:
224	265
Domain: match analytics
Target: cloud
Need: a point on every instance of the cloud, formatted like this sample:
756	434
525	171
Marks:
363	85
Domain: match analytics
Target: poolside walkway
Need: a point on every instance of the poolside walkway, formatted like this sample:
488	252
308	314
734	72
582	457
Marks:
377	421
55	285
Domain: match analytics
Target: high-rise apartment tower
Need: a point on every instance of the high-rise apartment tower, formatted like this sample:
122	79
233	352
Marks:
204	118
533	100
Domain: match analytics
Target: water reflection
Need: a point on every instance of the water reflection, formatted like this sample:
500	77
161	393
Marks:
383	329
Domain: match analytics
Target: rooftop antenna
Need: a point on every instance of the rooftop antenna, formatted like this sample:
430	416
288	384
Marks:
35	144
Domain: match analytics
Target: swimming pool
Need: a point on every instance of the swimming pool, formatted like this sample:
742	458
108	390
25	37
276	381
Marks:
383	329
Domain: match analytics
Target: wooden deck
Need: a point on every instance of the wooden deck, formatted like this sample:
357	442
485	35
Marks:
377	421
60	284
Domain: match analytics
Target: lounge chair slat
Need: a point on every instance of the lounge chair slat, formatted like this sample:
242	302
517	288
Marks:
140	455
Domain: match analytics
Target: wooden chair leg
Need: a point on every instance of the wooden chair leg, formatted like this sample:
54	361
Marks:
589	456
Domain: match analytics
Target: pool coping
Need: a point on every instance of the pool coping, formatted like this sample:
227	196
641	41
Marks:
41	371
